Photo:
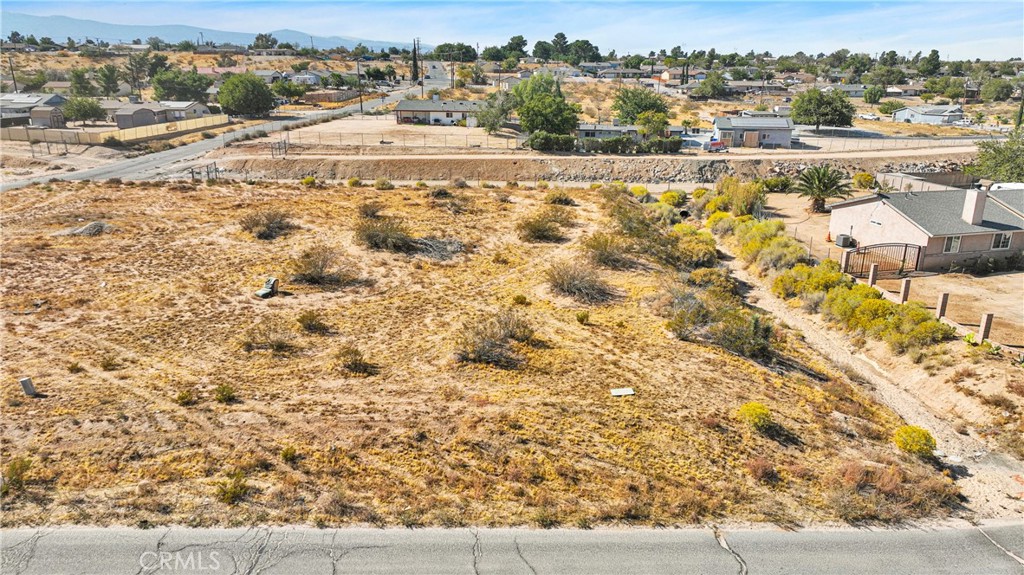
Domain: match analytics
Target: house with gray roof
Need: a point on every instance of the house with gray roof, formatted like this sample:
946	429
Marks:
756	132
851	90
951	226
929	114
437	112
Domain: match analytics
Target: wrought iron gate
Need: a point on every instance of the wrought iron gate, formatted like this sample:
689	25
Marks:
892	259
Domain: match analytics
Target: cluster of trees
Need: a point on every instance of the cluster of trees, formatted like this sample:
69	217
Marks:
823	108
538	102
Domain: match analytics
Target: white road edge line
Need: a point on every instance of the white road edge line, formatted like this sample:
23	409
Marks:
1001	548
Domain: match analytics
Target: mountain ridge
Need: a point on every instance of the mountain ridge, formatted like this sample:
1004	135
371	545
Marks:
61	27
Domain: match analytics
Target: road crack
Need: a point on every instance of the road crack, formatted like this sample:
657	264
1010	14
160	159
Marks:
519	552
477	551
725	545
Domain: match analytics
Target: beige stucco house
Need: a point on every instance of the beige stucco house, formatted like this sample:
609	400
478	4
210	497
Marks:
950	226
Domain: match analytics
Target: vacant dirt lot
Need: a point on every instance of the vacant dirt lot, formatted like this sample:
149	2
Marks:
133	335
384	131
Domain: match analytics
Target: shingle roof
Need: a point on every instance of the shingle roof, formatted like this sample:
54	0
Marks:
754	123
935	110
439	106
938	213
1013	198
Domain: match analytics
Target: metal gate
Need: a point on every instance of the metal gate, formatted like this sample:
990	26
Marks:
892	259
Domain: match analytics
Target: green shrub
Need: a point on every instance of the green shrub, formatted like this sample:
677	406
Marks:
695	248
352	360
914	440
560	198
14	475
224	393
542	141
266	224
317	266
186	398
777	185
803	279
309	181
487	340
663	215
421	184
312	321
716	280
579	281
234	489
270	333
354	182
583	317
520	299
690	318
638	191
388	234
608	250
370	210
863	181
781	253
889	106
542	185
744	333
721	223
672	198
383	184
755	415
289	455
546	225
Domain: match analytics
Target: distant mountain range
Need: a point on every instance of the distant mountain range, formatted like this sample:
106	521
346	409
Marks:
61	27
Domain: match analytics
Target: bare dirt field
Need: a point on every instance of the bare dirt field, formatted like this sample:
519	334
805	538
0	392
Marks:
21	160
384	131
161	403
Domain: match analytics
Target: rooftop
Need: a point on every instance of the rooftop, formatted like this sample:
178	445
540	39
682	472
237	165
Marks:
938	213
438	105
724	123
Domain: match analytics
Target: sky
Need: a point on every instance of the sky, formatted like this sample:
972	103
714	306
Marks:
958	29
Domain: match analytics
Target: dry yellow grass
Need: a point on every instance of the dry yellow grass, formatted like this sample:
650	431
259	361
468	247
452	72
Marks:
424	440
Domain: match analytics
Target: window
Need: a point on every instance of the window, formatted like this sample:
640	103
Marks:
952	245
447	114
1000	241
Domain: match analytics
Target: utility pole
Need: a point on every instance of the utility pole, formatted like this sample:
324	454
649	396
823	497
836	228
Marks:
359	84
14	79
311	47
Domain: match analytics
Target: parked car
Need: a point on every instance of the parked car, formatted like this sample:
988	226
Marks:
868	117
715	146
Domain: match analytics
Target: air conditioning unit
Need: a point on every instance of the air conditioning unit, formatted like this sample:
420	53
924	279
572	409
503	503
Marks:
844	240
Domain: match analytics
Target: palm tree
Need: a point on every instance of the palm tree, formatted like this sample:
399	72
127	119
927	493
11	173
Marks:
821	183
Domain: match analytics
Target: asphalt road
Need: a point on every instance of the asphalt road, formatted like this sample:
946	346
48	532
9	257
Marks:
990	549
177	160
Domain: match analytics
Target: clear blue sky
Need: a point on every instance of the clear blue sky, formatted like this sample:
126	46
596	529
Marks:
958	29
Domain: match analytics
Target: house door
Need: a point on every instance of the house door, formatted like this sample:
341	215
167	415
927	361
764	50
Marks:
750	139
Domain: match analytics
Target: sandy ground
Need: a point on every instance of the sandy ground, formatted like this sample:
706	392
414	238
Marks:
115	328
19	160
970	296
383	131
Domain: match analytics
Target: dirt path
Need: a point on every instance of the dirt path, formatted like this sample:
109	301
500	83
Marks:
733	155
992	482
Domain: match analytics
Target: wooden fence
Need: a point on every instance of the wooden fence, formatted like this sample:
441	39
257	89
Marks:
141	134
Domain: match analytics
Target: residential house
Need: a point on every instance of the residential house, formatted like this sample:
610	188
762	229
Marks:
620	73
851	90
216	72
322	96
179	111
592	68
272	52
951	226
615	130
672	75
138	115
903	90
929	114
754	132
16	108
269	76
754	87
307	78
437	112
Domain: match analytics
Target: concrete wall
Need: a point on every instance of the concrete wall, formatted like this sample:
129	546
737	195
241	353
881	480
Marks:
971	248
889	225
156	131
